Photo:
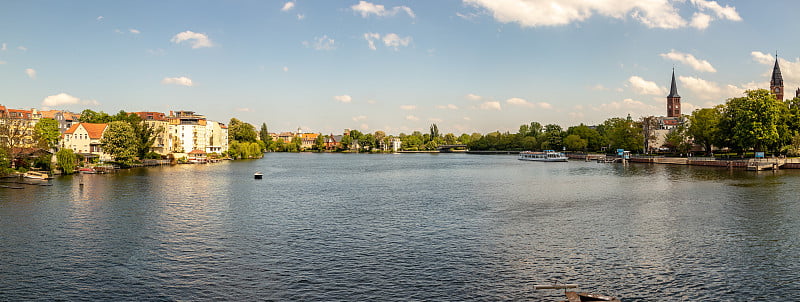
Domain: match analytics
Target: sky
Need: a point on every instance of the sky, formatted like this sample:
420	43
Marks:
394	66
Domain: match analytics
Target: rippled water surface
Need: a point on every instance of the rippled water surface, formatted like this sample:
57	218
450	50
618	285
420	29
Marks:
409	227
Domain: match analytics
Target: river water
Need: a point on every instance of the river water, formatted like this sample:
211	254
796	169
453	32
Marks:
407	227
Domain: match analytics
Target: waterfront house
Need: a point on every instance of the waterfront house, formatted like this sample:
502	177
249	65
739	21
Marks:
163	142
217	134
85	139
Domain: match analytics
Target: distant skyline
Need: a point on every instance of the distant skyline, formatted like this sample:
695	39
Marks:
396	66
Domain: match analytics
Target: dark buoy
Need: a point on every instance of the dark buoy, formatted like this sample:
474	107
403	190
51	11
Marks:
258	175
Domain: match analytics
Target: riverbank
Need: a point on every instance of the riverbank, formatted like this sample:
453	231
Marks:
754	164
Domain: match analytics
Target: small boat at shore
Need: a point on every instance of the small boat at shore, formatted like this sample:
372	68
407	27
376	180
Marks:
546	155
576	296
37	175
258	175
87	171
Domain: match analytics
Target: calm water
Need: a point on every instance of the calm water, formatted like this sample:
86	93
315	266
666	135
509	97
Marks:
410	227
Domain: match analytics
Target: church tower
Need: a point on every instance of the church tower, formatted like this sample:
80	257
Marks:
673	99
776	83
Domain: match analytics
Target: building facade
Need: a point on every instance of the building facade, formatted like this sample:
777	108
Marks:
85	139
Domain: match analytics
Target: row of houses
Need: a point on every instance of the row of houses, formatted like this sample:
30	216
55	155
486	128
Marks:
180	133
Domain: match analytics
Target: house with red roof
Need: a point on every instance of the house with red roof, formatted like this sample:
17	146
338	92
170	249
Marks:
84	139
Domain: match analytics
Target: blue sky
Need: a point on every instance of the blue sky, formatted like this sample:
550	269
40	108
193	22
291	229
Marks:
396	66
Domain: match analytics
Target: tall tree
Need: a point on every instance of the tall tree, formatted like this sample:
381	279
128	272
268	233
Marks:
46	133
704	127
90	116
753	121
263	134
241	131
67	160
434	131
119	141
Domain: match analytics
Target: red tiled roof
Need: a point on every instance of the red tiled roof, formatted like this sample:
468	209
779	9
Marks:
94	130
197	152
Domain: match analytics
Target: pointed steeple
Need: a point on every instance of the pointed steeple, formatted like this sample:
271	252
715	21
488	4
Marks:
777	78
673	89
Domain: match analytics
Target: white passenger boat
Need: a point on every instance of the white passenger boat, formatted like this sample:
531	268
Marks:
546	155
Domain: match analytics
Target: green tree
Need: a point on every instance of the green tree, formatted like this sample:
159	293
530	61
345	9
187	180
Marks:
552	137
622	133
434	131
677	139
319	142
90	116
119	141
704	127
47	134
241	131
753	121
594	141
66	160
263	134
574	142
5	162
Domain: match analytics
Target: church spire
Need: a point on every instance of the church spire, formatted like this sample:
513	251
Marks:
673	89
673	99
776	82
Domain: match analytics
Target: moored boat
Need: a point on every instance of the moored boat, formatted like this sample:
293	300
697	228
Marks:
258	175
546	155
37	175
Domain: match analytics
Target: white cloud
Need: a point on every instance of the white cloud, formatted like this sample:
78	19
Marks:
183	81
627	106
244	109
473	97
411	118
2	62
22	48
371	37
343	98
134	31
524	103
4	47
285	69
31	73
365	9
197	40
390	40
288	6
653	14
696	64
62	99
321	43
408	107
700	20
448	106
641	86
599	87
364	127
762	58
301	16
395	41
100	18
359	118
491	106
707	90
726	12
